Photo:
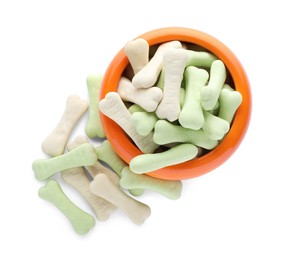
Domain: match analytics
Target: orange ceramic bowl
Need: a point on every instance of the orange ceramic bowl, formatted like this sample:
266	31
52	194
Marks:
126	149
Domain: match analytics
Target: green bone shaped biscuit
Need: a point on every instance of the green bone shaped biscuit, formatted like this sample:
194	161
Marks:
81	221
169	189
94	126
175	155
165	133
84	155
191	115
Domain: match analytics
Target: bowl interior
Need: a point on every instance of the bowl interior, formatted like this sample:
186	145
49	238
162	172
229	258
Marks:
125	148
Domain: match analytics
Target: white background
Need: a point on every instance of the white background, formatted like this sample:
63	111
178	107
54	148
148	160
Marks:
238	211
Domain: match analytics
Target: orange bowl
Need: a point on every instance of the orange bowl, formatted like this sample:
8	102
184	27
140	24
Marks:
126	149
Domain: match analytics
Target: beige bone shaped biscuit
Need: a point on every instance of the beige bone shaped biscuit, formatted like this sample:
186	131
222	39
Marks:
56	141
174	61
81	156
137	52
135	210
77	178
148	98
148	75
81	221
170	189
113	107
160	84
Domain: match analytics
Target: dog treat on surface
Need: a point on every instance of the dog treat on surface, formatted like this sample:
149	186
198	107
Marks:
135	210
55	143
81	221
83	155
94	126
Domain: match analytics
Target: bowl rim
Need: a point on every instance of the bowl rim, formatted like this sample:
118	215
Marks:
214	158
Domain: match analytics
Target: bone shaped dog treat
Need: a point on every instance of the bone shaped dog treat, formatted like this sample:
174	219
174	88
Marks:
174	61
135	210
106	154
209	94
165	132
229	100
160	84
77	178
81	221
214	126
113	107
137	52
94	126
144	122
81	156
97	167
170	189
148	98
149	162
200	58
148	75
191	115
56	141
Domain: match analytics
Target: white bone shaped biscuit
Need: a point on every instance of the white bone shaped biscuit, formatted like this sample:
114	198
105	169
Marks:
148	98
174	61
56	141
148	75
135	210
113	107
137	52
